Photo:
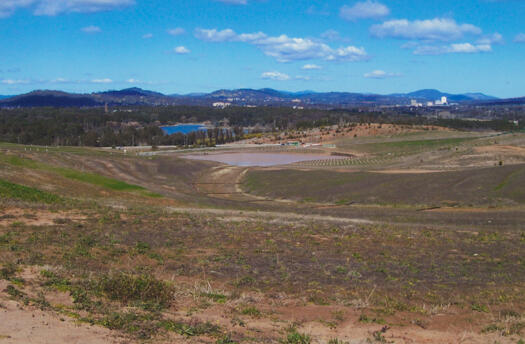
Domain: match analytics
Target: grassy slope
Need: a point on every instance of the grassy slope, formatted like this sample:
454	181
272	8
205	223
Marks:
471	187
19	192
86	177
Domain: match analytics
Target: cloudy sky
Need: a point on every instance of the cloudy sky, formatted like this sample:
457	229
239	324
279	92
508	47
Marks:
183	46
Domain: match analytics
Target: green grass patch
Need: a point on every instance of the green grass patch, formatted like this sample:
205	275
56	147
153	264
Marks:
426	143
508	179
25	193
216	297
85	177
411	146
96	179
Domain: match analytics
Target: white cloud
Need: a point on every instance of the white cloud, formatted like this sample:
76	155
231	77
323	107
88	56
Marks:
177	31
214	35
380	74
311	67
14	82
181	50
56	7
147	36
91	29
495	38
8	7
364	10
284	48
349	53
234	2
102	81
303	77
132	81
520	38
320	11
456	48
275	76
331	35
60	81
437	29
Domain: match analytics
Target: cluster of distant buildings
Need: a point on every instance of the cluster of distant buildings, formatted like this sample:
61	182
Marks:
440	102
224	105
221	105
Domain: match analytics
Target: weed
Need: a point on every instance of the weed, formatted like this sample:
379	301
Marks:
245	282
507	313
251	311
480	308
341	270
339	315
365	319
190	330
379	337
216	297
12	291
8	271
142	247
226	340
141	326
516	328
492	328
336	341
54	281
295	337
41	301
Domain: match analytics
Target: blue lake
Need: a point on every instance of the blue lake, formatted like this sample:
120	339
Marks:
182	128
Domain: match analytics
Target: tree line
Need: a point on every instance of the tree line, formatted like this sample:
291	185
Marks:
141	125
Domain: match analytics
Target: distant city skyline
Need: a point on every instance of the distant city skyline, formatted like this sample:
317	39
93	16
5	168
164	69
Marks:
203	45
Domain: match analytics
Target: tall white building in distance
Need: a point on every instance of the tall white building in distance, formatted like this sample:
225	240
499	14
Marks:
443	101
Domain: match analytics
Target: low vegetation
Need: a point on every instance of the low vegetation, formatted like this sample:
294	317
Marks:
351	252
20	192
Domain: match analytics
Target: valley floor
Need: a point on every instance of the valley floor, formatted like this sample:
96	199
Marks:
424	245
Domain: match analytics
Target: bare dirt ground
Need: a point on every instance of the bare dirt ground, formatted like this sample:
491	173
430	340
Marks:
502	149
37	217
218	233
21	324
330	134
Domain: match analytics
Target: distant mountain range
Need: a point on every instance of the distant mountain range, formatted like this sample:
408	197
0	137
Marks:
239	97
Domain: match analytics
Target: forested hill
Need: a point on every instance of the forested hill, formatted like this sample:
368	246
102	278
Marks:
141	125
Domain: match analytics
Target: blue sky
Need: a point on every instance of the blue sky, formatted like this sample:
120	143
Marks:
181	46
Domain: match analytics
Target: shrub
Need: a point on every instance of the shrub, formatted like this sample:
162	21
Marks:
128	288
8	271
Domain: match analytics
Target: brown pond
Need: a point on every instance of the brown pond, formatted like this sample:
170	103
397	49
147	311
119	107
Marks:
260	159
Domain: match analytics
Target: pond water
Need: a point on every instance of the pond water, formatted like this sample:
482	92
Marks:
182	128
260	159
